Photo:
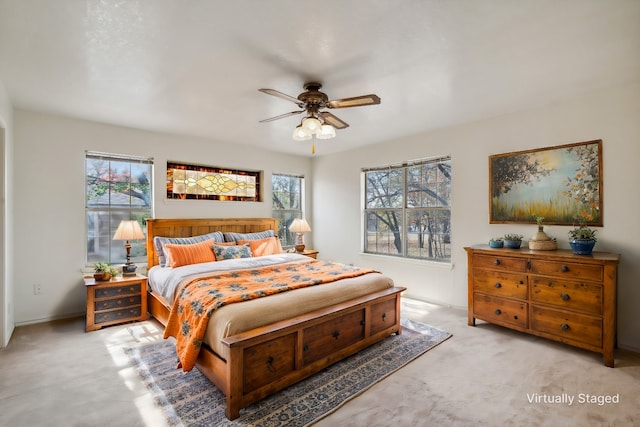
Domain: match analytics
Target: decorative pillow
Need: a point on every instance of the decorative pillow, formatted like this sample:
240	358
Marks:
234	237
159	242
196	253
268	246
232	252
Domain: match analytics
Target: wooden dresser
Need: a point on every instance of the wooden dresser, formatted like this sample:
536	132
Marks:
552	294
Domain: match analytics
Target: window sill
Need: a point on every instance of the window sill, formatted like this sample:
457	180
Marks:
421	262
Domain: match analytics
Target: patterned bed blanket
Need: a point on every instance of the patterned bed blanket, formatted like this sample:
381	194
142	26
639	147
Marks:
199	298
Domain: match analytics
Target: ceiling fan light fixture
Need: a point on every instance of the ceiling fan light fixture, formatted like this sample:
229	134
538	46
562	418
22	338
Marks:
326	132
300	134
311	125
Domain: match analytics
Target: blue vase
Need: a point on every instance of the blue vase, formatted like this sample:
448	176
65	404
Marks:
582	246
513	244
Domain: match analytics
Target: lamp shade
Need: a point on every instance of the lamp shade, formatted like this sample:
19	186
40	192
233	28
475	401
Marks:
129	230
311	125
326	132
299	226
299	134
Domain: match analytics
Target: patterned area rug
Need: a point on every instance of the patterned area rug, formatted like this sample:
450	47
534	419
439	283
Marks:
190	399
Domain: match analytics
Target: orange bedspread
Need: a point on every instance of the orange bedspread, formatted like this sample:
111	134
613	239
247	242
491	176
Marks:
199	298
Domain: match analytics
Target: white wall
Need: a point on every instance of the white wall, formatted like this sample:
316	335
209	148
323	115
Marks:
49	198
6	218
611	115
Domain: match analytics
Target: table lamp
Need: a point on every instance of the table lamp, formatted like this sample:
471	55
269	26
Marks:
299	226
128	230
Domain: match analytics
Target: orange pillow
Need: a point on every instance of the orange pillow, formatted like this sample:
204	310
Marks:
179	255
268	246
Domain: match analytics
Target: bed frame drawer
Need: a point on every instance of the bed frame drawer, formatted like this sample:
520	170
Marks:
330	336
269	361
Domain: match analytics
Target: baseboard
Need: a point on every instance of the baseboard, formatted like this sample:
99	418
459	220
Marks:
50	319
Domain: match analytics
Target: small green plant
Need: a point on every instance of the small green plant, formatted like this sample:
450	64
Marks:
497	239
538	219
513	237
583	232
101	267
114	271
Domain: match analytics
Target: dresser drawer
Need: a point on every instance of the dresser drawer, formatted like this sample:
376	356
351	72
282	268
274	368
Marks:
383	316
500	262
494	309
330	336
569	326
118	290
119	315
266	362
117	302
579	296
568	270
500	283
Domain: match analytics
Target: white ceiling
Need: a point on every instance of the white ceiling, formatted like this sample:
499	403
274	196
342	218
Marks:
195	67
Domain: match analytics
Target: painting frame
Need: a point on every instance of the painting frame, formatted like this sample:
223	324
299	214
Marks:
562	184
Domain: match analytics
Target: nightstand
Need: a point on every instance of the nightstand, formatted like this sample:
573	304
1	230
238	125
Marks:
310	253
115	301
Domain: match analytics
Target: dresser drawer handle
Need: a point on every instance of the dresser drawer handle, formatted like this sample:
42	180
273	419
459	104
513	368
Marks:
496	262
270	366
564	327
335	334
498	285
498	311
564	268
565	297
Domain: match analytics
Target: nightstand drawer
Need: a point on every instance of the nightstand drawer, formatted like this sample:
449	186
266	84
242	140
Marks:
125	313
118	290
118	302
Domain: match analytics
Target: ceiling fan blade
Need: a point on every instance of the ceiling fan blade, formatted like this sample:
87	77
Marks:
282	116
333	120
282	95
356	101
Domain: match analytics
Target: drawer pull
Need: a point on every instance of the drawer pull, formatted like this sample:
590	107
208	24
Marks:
564	327
498	285
335	334
498	311
565	297
270	366
384	317
305	347
564	268
496	262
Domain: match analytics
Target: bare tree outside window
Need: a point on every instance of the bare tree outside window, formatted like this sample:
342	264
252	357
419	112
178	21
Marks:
287	202
408	210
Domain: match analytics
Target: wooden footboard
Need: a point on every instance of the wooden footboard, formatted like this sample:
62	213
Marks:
270	358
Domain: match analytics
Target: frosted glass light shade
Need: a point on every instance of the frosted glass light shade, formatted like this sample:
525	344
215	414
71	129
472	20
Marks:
311	125
326	132
300	134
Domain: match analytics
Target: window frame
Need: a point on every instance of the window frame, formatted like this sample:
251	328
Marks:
287	239
439	249
115	250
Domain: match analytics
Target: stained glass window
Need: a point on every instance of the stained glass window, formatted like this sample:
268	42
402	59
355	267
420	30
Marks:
212	183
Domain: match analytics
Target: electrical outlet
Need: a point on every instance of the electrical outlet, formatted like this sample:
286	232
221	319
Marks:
37	289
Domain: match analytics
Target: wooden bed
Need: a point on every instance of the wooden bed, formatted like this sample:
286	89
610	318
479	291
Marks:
267	359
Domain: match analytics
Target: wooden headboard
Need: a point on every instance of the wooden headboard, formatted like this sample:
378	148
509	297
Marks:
187	227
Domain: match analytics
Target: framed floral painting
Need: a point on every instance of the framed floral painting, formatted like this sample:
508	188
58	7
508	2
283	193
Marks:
562	184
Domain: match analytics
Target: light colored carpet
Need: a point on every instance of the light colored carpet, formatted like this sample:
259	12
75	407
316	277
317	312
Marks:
189	399
55	374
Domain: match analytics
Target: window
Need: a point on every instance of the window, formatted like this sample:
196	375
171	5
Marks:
408	210
288	200
118	187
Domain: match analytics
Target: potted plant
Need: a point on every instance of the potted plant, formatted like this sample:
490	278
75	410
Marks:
102	271
496	242
582	239
512	240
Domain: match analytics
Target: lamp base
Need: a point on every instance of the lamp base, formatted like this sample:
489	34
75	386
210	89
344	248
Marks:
299	248
129	270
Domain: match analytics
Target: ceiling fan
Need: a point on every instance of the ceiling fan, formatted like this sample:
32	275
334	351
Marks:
321	124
